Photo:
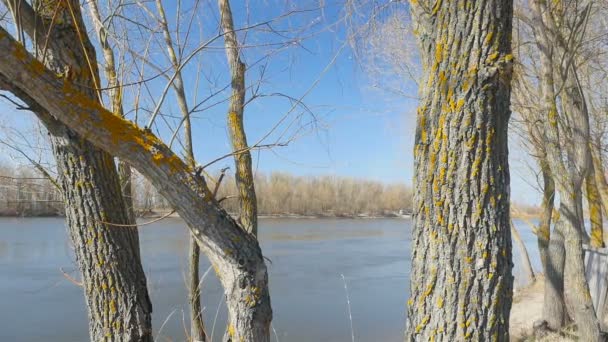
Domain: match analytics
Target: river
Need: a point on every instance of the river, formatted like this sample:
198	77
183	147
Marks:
308	258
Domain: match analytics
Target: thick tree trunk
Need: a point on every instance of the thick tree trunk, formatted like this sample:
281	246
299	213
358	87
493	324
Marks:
461	281
108	257
242	157
109	260
523	252
235	254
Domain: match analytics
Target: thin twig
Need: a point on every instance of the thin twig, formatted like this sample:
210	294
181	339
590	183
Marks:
68	277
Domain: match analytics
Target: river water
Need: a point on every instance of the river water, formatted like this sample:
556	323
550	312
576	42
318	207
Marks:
308	259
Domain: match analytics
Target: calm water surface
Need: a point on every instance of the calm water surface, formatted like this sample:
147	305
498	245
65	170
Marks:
308	295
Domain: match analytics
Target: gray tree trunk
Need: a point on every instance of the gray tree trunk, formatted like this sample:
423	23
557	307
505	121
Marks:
108	257
554	307
566	139
461	281
234	253
544	227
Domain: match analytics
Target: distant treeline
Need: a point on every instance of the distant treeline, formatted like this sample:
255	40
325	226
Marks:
24	192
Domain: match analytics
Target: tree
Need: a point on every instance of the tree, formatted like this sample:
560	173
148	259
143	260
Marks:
461	281
566	137
234	253
109	260
238	138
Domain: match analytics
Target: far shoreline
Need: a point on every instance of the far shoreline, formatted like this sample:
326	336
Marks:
168	214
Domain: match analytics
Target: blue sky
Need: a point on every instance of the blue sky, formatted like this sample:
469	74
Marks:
359	131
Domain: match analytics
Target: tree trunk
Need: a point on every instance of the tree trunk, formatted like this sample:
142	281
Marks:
525	258
115	95
240	148
594	202
554	307
235	254
109	259
566	139
197	325
461	281
577	288
544	227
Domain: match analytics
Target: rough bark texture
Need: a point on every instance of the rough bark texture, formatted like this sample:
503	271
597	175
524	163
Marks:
461	281
242	156
523	252
235	254
113	278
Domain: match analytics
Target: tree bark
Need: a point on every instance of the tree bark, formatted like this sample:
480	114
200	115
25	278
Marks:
240	148
461	281
554	307
523	252
594	202
235	254
109	259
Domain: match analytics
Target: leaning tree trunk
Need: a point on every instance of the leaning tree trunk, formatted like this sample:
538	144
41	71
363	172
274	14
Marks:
235	254
112	275
461	281
523	252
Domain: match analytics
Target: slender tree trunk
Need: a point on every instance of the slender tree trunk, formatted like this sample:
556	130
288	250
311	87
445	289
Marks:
523	252
115	95
566	138
113	278
461	281
197	326
600	177
554	307
594	202
240	148
544	227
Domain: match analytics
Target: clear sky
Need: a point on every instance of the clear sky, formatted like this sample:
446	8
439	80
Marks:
350	128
